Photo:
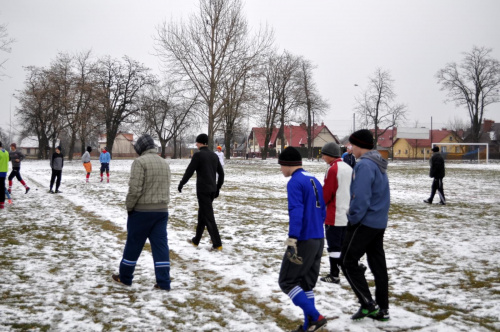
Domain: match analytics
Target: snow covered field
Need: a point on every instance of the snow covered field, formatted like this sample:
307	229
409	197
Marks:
58	253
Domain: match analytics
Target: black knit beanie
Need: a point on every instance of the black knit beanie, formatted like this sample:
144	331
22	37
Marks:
290	157
202	138
89	149
435	149
362	138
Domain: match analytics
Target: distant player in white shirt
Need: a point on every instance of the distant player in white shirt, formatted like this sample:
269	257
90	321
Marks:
219	154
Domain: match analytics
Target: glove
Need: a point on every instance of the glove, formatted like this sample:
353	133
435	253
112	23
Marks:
180	187
217	193
291	251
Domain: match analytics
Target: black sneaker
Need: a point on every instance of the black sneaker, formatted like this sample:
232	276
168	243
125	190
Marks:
331	279
156	286
51	191
370	310
314	326
116	278
58	192
382	315
27	189
427	201
442	203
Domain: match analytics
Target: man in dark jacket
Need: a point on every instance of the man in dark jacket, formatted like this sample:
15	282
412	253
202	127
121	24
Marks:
436	172
57	164
206	164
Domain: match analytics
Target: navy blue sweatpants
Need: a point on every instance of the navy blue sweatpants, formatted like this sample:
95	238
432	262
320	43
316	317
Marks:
140	227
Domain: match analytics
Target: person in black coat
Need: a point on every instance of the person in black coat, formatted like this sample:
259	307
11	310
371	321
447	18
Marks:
437	172
206	164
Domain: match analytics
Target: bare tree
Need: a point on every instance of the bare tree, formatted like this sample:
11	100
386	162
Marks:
310	99
119	86
166	112
5	44
376	107
39	110
205	51
474	84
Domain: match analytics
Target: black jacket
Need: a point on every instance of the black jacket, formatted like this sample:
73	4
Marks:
206	164
437	166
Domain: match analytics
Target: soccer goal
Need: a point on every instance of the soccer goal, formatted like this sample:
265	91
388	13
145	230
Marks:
465	151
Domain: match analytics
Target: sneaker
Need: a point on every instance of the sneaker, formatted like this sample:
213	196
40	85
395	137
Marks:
370	310
314	326
382	315
58	191
331	279
27	189
9	201
427	201
442	203
191	241
51	191
108	180
116	278
216	248
156	286
101	179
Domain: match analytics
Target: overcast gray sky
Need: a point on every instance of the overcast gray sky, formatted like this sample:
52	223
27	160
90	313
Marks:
346	40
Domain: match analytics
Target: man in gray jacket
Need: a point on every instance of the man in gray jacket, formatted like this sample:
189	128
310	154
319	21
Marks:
147	207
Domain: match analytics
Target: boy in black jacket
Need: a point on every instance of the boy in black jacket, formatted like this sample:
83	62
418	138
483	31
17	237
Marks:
436	172
206	164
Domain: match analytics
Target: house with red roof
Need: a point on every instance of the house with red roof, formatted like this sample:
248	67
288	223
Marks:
295	136
405	148
123	145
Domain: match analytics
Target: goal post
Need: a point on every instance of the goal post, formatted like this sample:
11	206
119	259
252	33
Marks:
471	153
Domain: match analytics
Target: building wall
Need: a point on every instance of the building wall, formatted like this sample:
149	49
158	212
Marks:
404	150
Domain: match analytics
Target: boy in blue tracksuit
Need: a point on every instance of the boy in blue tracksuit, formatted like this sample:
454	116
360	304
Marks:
301	262
367	220
104	159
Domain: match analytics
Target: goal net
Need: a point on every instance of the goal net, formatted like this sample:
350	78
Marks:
472	152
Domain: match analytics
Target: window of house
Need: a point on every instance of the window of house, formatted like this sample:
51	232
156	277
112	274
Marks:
399	151
28	151
422	151
451	138
406	151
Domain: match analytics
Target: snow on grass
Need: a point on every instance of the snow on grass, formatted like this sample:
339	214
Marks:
59	251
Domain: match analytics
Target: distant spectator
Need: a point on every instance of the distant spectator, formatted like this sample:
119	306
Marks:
56	164
86	162
105	159
348	157
437	172
16	157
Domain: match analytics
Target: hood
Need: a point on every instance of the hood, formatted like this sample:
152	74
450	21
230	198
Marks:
377	159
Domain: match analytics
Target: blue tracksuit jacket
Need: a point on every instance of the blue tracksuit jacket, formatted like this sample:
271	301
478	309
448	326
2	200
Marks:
306	206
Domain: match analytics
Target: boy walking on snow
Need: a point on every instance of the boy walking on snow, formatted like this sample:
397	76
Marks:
368	215
16	157
337	196
301	262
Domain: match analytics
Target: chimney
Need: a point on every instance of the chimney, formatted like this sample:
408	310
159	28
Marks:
487	125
